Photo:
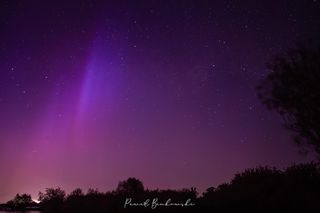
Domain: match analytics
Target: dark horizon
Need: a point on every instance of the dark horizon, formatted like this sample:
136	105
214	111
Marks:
299	168
94	92
262	189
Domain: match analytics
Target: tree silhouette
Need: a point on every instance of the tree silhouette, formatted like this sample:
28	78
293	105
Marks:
76	193
130	186
20	202
292	88
52	200
75	201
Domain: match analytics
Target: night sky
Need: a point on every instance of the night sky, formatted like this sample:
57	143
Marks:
94	92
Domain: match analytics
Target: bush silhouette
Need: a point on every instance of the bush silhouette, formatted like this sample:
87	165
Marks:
266	189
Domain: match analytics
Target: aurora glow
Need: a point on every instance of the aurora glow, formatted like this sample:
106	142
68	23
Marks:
92	93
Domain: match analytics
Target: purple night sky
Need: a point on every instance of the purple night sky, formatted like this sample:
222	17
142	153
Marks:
94	92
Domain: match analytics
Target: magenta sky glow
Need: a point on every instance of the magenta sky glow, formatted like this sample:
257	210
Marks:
94	92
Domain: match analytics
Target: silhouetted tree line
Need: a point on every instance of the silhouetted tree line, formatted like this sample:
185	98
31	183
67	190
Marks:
56	200
263	189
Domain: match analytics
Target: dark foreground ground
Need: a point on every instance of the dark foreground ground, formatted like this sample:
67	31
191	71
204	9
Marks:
263	189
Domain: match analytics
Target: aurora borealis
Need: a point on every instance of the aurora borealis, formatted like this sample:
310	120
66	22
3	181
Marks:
94	92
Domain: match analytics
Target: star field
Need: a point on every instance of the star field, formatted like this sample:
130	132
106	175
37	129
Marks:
93	92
